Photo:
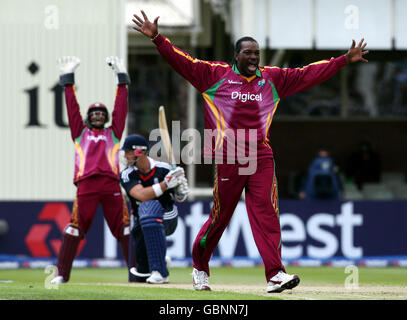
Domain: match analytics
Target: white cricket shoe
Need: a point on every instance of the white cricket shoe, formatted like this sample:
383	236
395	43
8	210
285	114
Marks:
157	278
200	280
57	280
282	281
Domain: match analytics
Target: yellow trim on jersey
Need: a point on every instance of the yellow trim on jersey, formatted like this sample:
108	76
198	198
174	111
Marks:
74	215
275	108
82	161
302	68
313	64
216	201
268	124
249	79
274	194
126	216
111	157
195	60
220	121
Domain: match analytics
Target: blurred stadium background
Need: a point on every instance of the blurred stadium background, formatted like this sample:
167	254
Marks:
363	102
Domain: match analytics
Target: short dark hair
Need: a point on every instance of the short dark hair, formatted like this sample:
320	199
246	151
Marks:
238	44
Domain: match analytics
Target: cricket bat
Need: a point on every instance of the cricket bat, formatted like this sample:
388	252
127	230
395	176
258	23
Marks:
165	136
166	141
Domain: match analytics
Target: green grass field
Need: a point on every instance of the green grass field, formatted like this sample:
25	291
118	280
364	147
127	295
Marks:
228	283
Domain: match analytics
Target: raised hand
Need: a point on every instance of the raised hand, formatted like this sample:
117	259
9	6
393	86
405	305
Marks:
116	64
68	64
355	54
146	27
118	67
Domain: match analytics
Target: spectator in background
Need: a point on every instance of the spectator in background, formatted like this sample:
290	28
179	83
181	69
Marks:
321	181
364	165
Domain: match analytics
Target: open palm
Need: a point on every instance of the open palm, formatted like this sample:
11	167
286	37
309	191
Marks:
146	27
356	53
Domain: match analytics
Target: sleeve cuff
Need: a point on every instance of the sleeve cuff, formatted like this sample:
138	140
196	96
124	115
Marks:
158	39
123	78
341	61
67	78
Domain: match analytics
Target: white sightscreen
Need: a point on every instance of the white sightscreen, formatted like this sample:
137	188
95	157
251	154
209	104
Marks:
290	24
249	18
400	25
323	24
340	21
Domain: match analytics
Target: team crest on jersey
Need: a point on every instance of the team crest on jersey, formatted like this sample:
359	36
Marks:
262	82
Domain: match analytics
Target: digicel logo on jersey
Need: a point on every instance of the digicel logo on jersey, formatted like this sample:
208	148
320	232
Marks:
246	96
98	138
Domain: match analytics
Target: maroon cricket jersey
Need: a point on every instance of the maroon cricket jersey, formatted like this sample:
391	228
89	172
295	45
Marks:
239	110
96	150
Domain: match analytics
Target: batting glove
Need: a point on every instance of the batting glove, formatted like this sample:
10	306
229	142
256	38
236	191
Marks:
181	197
174	177
183	187
67	66
118	67
182	191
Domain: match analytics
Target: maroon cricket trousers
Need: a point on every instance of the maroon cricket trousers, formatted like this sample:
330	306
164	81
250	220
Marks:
261	198
91	192
102	190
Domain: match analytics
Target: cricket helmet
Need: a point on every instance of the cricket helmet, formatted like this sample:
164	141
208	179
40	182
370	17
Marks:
134	142
97	106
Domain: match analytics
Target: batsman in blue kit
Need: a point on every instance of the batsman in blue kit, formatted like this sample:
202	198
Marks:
152	187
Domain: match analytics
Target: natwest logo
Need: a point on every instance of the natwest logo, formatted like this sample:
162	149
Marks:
246	96
37	238
316	238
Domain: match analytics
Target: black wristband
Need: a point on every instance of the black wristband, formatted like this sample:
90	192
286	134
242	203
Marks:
123	78
67	78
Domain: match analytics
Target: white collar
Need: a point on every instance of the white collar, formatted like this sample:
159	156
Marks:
152	162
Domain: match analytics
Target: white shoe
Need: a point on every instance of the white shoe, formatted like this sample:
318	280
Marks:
200	280
156	277
57	280
282	281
